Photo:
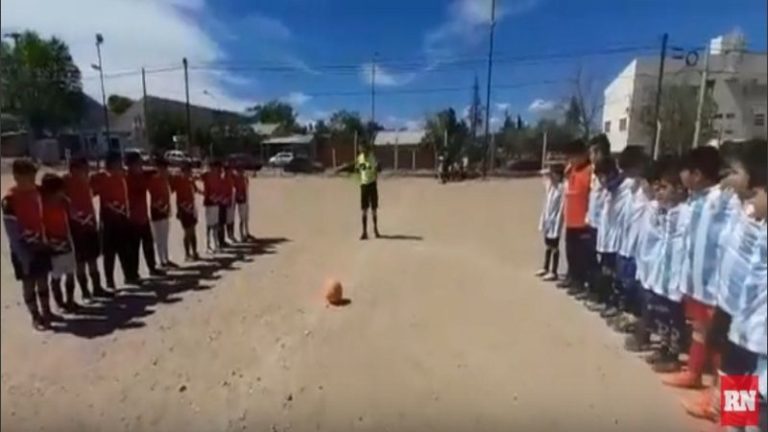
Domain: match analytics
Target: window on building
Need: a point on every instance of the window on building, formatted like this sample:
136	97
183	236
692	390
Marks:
730	116
717	116
623	124
760	119
607	127
728	132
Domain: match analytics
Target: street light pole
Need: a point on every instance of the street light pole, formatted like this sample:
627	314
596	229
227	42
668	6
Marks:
488	89
99	41
218	109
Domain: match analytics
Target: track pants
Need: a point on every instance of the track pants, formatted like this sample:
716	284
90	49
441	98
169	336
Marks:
576	251
115	242
141	238
160	230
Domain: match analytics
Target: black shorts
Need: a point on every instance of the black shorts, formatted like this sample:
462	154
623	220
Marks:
369	196
187	218
737	360
39	266
552	243
87	242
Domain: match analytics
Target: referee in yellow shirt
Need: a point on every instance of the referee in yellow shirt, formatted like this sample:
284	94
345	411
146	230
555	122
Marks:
368	168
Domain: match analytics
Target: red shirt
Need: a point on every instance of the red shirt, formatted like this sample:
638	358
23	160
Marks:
160	196
228	187
25	207
113	192
81	209
577	195
241	187
213	186
56	224
184	188
138	185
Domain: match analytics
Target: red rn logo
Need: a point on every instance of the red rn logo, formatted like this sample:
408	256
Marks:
739	400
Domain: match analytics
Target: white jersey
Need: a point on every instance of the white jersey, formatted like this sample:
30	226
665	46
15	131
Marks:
665	271
615	214
649	242
551	220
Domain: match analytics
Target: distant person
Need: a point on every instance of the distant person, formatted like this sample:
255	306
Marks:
212	191
184	186
112	190
551	221
241	201
141	230
228	202
84	227
368	168
59	239
160	211
578	176
23	220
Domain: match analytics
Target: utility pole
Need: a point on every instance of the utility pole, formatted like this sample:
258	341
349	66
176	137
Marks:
488	88
144	106
99	41
702	95
189	120
657	107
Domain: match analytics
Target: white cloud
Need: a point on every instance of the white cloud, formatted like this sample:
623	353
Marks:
540	106
136	33
394	122
467	24
268	27
502	106
383	77
297	99
414	124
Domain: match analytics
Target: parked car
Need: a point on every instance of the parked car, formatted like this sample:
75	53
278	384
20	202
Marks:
281	159
244	160
146	159
177	157
301	164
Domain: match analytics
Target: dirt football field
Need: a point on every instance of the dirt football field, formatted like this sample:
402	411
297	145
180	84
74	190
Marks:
447	329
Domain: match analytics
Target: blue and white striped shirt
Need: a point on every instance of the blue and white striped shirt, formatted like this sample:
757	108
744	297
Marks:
636	206
762	374
666	269
649	242
711	211
596	202
738	248
615	213
551	220
748	321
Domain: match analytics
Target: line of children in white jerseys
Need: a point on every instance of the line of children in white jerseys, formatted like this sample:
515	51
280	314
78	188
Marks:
681	249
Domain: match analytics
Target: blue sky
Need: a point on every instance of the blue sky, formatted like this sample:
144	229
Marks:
317	53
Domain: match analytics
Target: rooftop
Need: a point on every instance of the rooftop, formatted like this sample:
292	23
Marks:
291	139
406	137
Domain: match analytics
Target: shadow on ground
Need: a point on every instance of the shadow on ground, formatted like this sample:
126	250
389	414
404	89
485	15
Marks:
401	237
132	304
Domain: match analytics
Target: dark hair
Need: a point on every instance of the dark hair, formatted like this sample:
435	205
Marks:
557	168
24	166
132	158
575	147
161	162
606	166
668	169
51	184
651	170
112	159
705	160
754	158
601	143
632	157
214	163
186	165
78	162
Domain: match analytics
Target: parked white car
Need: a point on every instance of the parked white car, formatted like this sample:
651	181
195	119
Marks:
176	157
281	159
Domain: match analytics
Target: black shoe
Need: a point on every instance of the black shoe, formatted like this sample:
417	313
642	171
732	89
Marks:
376	233
581	295
171	264
364	236
632	344
71	306
565	283
133	280
39	324
574	290
156	272
100	292
609	312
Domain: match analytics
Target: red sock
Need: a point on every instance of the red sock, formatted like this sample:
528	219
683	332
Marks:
696	358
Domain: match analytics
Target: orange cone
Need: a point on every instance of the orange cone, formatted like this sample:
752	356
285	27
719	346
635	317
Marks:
333	292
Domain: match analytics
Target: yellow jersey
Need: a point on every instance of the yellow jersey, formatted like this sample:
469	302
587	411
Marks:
367	167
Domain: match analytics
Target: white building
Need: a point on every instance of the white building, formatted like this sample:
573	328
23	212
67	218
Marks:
736	78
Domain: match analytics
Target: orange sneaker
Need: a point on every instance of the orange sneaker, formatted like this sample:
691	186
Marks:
701	407
683	380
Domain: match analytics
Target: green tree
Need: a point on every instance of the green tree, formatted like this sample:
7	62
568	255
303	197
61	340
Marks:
346	122
119	104
446	135
275	112
161	128
677	114
40	83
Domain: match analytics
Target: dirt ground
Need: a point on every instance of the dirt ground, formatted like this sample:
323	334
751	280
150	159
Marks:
447	330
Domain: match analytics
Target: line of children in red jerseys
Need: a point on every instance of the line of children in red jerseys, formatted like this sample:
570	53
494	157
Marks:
675	257
56	236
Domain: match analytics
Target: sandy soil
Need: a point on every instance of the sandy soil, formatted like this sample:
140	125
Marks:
447	330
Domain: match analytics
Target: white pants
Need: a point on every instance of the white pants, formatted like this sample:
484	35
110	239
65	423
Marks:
160	233
62	265
242	211
231	214
211	216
